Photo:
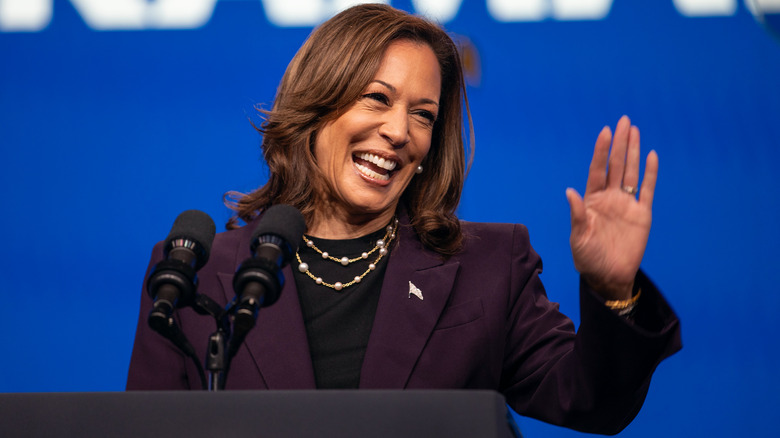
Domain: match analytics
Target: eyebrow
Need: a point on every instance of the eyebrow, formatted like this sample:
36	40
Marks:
394	90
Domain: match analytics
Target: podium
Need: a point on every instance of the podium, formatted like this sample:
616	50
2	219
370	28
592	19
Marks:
195	414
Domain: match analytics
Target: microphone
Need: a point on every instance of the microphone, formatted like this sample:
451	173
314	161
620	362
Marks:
258	281
173	280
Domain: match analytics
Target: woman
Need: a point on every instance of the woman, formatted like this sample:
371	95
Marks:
390	289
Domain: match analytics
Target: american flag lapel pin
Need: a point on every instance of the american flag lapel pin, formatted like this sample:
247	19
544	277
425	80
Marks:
414	290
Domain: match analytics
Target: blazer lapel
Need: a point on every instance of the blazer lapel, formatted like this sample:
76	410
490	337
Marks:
404	322
277	344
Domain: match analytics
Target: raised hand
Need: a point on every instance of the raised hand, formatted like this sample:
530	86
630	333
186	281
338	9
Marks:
610	226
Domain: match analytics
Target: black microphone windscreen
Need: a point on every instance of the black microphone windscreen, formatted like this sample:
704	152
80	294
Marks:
284	221
196	226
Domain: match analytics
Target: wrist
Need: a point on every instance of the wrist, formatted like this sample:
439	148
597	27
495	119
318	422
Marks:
624	308
621	305
611	291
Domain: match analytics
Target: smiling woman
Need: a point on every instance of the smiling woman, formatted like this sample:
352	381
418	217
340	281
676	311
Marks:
391	290
395	74
369	154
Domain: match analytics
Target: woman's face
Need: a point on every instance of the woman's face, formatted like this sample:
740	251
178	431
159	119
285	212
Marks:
370	152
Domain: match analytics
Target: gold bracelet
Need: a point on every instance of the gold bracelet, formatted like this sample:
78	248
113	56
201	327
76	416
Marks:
623	304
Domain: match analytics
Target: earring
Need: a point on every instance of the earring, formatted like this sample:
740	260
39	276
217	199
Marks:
419	169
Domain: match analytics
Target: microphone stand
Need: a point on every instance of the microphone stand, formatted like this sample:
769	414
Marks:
220	348
217	363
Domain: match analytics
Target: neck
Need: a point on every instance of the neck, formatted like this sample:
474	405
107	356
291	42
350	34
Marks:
332	224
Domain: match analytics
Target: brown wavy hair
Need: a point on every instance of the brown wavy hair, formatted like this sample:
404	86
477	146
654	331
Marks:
327	75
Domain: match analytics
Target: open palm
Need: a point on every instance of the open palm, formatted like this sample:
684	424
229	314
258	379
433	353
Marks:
610	226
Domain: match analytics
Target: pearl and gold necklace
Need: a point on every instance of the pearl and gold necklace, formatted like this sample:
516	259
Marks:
380	247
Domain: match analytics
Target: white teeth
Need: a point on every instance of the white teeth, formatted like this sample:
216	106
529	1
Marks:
381	162
371	173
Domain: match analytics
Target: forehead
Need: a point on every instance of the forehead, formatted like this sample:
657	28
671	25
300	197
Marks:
412	66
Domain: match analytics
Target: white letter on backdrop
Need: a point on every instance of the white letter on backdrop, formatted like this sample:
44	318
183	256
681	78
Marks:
143	14
306	13
764	6
24	15
441	11
518	10
705	8
580	9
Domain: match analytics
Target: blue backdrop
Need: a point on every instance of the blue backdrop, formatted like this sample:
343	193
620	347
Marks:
111	125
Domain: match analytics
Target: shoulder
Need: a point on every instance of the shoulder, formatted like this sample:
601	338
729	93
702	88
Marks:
480	236
230	247
233	237
499	246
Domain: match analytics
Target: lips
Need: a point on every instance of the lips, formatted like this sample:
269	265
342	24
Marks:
374	166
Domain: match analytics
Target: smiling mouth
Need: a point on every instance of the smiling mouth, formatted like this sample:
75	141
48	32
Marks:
373	166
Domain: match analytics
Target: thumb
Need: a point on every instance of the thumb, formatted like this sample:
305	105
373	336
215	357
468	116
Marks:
577	208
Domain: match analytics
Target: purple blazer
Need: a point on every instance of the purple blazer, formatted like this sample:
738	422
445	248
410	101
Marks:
484	322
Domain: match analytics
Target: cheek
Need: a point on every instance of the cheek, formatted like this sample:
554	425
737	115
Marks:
324	152
332	148
325	139
318	146
423	147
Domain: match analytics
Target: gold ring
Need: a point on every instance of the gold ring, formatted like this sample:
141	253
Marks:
631	190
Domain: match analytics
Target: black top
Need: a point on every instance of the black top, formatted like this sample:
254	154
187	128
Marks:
338	323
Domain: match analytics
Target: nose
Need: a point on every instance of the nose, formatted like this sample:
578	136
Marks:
395	127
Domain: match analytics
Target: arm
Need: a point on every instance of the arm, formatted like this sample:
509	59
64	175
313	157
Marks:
595	380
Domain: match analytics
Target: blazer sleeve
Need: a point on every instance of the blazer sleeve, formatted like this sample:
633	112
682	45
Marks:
155	364
594	380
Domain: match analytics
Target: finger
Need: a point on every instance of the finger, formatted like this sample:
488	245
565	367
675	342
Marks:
577	207
648	182
631	175
617	156
597	174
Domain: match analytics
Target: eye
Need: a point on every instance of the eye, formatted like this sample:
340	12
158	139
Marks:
379	97
429	117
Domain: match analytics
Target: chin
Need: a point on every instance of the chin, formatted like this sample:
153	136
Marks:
372	206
